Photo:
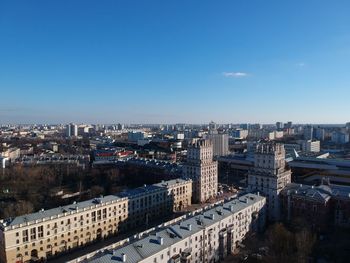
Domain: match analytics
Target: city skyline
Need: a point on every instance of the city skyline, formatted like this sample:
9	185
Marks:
183	62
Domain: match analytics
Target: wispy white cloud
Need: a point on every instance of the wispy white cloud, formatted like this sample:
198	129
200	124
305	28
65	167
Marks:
235	74
300	64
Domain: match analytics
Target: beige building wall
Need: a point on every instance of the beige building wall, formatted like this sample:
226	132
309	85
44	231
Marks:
208	236
269	175
45	237
203	171
68	227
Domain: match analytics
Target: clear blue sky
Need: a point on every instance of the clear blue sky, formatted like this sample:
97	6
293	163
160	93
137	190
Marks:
174	61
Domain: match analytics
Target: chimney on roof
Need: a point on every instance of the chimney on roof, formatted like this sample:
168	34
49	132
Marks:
123	257
160	240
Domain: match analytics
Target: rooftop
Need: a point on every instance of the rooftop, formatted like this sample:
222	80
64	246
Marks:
78	206
170	235
321	193
58	211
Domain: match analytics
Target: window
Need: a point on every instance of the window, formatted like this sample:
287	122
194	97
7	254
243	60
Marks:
40	231
93	215
33	233
25	235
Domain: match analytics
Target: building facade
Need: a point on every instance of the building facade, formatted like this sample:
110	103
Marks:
46	233
308	132
321	206
269	175
49	232
240	134
340	137
203	171
311	146
205	237
220	144
151	202
72	130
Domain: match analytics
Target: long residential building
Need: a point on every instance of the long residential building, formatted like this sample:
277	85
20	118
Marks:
206	237
48	232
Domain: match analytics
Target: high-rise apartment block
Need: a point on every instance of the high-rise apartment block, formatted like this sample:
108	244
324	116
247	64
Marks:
340	137
269	175
220	143
279	125
240	134
308	132
288	125
203	171
72	130
311	146
320	134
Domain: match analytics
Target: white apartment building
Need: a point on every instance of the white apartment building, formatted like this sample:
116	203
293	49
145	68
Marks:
311	146
49	232
220	143
269	175
203	171
72	130
205	237
240	134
